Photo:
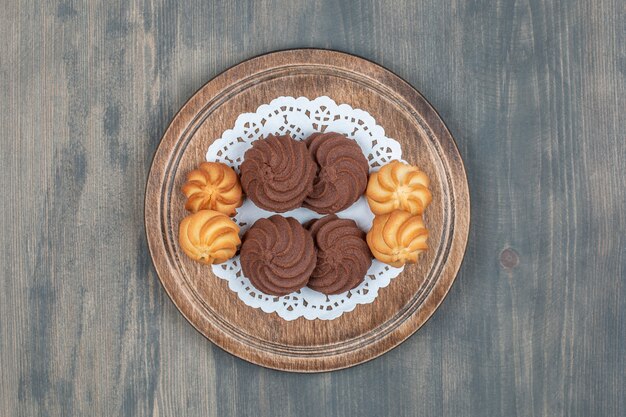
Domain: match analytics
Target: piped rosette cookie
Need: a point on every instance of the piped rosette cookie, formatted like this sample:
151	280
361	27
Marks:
343	257
398	186
397	238
278	255
277	173
342	172
213	186
209	237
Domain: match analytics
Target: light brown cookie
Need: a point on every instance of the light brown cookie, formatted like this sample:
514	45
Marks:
397	238
209	237
213	186
398	186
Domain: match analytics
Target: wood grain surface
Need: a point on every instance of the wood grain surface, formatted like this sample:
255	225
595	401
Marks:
534	93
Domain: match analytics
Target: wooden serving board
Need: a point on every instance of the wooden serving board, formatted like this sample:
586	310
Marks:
369	330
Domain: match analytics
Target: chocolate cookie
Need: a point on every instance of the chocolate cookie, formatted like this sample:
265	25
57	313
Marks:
278	255
342	172
343	256
277	173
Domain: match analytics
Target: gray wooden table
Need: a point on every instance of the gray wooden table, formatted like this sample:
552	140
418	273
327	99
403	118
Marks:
534	92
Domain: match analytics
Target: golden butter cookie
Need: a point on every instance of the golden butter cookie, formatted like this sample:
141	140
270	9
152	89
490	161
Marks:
209	237
397	238
213	186
398	186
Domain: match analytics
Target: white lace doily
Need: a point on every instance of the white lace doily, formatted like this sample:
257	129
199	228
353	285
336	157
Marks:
301	117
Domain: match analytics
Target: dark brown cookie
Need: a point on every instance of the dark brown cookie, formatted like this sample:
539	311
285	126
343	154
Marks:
343	256
342	172
277	173
278	255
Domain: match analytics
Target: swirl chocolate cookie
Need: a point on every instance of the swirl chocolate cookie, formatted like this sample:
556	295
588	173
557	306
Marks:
343	256
278	255
277	173
342	172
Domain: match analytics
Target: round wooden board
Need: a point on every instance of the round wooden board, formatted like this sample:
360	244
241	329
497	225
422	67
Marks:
369	330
